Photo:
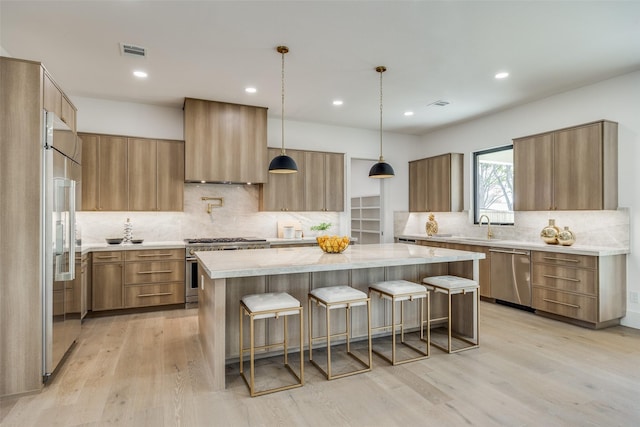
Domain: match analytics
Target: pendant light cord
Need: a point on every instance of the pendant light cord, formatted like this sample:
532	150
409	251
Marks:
381	159
283	51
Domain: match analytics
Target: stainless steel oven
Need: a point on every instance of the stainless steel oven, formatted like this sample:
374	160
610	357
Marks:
211	244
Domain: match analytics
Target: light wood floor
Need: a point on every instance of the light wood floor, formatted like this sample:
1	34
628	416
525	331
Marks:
147	370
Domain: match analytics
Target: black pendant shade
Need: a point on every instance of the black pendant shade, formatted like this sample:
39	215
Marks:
381	169
283	164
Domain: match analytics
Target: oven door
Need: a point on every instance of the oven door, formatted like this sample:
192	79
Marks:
191	282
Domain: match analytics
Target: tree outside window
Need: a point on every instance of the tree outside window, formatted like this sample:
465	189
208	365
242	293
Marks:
493	184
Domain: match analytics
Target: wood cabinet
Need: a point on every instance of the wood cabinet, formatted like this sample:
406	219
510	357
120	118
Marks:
225	142
568	169
138	278
435	184
107	279
136	174
587	289
465	269
56	101
284	191
317	186
324	178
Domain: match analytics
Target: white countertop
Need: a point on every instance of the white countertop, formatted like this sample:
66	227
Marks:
101	247
247	263
275	241
577	248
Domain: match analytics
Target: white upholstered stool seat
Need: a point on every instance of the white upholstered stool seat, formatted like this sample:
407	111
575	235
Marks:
401	291
454	285
266	306
336	297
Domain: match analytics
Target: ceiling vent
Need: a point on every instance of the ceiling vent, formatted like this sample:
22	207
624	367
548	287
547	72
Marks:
439	103
133	50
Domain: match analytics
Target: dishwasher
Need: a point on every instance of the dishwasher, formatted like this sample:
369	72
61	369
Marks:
511	276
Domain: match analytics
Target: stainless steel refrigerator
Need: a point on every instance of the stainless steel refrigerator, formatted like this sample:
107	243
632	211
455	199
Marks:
61	299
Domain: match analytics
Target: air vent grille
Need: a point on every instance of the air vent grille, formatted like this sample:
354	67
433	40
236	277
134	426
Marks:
133	50
438	103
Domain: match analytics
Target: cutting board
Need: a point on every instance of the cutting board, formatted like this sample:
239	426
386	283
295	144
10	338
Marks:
295	224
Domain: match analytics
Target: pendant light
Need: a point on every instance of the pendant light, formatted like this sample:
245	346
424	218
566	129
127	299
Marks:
381	169
283	163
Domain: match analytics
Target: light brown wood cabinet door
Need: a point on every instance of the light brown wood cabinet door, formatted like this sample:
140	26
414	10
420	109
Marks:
333	182
418	186
285	192
52	97
315	185
170	181
439	183
113	173
107	286
533	173
435	184
578	180
142	168
90	172
67	112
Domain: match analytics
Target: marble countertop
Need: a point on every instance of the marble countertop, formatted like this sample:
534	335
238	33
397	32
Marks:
577	249
275	241
101	247
247	263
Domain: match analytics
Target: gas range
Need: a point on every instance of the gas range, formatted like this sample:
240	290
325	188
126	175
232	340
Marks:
223	244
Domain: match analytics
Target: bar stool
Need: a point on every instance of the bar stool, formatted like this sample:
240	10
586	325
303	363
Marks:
401	291
265	306
450	286
331	298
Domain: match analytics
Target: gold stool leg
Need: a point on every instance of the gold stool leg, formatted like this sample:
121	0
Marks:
252	356
328	332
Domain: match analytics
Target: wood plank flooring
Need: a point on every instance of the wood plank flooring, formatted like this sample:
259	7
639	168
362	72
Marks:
148	370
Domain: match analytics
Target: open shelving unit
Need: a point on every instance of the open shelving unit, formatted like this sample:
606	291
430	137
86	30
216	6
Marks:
366	220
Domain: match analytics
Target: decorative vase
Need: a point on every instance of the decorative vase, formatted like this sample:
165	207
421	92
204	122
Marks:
128	231
566	237
550	233
432	225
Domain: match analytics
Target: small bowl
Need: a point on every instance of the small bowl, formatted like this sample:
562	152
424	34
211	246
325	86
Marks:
114	240
333	244
137	241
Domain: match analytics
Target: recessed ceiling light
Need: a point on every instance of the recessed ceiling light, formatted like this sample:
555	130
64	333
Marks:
338	102
250	90
408	113
140	74
502	75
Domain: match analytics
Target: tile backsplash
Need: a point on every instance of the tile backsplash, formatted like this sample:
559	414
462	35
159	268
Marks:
594	228
238	217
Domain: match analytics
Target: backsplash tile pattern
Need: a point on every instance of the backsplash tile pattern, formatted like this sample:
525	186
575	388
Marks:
593	228
239	216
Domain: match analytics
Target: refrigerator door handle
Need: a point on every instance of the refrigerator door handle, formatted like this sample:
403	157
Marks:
65	244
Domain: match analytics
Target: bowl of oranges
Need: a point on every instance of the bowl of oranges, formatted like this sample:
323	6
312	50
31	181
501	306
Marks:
333	244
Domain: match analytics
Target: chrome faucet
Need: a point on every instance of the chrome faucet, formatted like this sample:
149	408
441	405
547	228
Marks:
489	233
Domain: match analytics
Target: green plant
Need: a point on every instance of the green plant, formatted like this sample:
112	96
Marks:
323	226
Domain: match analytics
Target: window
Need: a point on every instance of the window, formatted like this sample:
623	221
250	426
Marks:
493	185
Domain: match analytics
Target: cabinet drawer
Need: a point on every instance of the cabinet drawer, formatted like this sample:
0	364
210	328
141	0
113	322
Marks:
584	261
101	257
153	272
148	295
564	278
154	254
579	307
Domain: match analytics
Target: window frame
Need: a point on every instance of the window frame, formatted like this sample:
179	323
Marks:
476	154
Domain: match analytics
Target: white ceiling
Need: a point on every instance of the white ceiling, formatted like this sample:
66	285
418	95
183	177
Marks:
434	50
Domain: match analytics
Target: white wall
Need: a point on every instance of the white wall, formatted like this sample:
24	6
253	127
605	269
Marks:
151	121
616	99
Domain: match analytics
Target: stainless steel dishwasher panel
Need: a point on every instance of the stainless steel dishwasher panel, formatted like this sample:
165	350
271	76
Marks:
511	276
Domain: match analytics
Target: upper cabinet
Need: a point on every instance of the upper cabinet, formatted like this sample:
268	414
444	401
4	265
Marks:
435	184
225	142
55	101
568	169
132	174
317	186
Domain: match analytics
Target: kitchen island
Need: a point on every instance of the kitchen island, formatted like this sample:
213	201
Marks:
225	276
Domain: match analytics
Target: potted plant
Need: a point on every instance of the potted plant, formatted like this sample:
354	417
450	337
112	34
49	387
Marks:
323	226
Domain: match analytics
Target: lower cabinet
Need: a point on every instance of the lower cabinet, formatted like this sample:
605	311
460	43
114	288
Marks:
587	289
138	278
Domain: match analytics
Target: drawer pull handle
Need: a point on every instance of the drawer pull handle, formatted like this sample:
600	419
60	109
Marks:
550	258
155	271
152	255
549	276
158	294
561	303
108	257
